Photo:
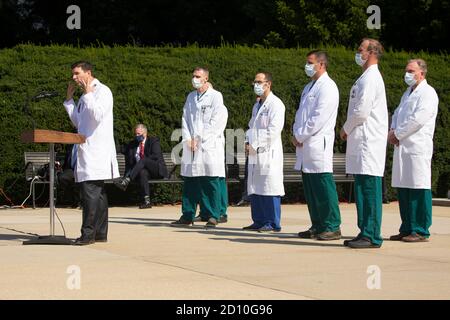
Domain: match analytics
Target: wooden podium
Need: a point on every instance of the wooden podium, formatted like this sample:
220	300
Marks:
51	137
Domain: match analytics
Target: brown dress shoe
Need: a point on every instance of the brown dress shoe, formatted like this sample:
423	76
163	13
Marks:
398	237
329	235
414	237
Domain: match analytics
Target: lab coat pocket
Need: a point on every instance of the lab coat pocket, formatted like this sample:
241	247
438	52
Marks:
414	145
313	150
265	159
355	141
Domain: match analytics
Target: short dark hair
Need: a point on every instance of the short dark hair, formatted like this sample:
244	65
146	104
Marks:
267	75
85	65
320	55
204	69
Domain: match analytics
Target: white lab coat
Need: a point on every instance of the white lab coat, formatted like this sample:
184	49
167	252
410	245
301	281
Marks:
314	125
205	119
93	117
367	125
265	169
414	122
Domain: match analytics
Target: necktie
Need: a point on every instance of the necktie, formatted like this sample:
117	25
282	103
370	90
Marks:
141	150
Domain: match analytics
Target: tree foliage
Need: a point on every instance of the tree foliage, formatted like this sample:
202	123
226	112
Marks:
150	86
411	25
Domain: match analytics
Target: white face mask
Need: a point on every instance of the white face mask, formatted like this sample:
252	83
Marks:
309	70
197	83
258	88
410	79
359	60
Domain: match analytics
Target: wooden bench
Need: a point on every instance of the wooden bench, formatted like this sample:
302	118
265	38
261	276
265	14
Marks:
235	172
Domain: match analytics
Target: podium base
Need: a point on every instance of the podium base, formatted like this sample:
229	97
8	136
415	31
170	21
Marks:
49	240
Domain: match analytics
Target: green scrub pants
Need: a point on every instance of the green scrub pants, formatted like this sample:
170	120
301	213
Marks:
322	200
223	201
369	205
203	191
415	210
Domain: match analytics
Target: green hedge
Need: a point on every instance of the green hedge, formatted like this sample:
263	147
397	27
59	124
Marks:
150	86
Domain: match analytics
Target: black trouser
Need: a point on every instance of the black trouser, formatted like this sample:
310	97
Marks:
66	181
245	192
95	209
145	169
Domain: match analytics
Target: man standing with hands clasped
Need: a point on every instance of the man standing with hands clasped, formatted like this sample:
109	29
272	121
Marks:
203	162
313	137
366	130
265	157
96	158
411	133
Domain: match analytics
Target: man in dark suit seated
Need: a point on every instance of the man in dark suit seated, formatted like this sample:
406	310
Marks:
143	161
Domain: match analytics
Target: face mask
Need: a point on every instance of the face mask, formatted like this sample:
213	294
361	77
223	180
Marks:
197	83
359	61
258	88
309	70
409	79
140	138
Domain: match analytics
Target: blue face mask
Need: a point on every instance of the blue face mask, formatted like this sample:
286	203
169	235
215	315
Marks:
258	88
410	79
140	138
309	70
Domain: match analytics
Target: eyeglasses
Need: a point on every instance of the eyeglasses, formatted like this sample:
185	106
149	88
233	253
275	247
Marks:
258	82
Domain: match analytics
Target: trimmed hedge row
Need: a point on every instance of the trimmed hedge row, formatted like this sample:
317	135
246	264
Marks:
150	86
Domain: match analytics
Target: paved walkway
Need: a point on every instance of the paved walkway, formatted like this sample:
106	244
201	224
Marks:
145	258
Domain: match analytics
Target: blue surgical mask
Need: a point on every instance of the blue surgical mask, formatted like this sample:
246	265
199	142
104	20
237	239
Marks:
139	138
410	79
309	70
258	88
359	60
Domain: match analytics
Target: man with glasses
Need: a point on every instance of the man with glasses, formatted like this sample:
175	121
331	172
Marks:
265	157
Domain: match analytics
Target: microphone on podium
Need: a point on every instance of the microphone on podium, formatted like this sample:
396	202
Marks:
45	94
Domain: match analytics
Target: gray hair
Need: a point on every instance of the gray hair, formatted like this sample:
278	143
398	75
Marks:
140	126
422	65
375	46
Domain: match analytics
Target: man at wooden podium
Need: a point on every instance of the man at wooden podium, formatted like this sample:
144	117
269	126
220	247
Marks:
96	158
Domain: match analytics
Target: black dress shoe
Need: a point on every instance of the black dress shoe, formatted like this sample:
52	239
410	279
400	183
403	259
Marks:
346	242
251	227
308	234
363	243
122	183
145	205
82	241
182	222
398	237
